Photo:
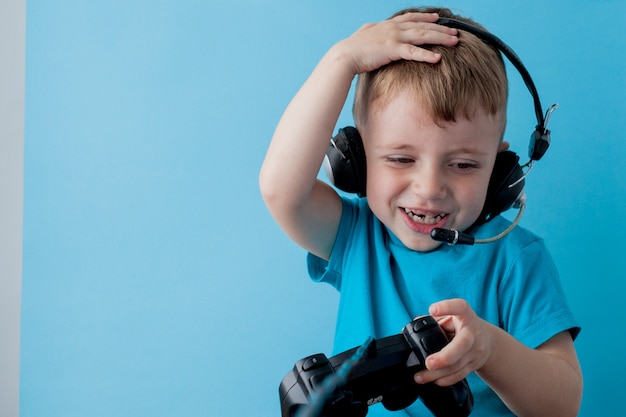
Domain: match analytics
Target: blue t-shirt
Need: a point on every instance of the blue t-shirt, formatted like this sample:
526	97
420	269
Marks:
511	283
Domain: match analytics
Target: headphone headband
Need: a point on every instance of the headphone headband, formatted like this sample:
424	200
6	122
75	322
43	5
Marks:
540	139
492	39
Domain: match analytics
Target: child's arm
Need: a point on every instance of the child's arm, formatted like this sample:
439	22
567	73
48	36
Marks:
546	381
308	210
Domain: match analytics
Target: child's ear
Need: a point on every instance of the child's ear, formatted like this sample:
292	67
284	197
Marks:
504	146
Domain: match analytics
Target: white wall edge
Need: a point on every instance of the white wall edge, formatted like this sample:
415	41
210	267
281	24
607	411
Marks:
12	81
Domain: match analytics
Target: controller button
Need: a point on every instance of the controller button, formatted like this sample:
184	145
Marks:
423	323
434	342
314	361
317	380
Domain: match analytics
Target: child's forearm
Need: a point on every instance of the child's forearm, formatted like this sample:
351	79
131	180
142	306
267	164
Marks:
302	135
546	381
306	209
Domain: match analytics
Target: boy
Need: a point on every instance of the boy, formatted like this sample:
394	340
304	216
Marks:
430	107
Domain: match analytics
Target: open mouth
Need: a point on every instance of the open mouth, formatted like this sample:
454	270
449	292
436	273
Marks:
425	218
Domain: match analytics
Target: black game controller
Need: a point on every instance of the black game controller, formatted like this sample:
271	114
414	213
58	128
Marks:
385	374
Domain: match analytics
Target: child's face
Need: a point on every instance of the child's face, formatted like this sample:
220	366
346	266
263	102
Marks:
421	175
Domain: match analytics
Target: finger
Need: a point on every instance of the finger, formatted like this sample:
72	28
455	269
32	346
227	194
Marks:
448	325
424	33
451	307
428	35
444	320
427	18
453	378
409	48
455	355
446	376
415	53
416	17
410	41
428	26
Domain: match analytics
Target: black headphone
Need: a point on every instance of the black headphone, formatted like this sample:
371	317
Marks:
345	158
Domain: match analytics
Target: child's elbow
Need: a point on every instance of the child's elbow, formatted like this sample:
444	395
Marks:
274	194
577	396
572	397
269	189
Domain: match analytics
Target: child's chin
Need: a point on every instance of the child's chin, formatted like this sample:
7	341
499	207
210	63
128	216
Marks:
422	245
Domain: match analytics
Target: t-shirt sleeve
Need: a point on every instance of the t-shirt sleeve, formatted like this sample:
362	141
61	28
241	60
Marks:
535	308
329	271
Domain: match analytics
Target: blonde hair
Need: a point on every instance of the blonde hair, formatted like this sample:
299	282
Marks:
470	74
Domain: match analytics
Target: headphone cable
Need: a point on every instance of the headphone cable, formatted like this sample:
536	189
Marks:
522	206
332	382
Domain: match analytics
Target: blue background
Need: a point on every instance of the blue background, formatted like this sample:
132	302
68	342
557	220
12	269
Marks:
155	283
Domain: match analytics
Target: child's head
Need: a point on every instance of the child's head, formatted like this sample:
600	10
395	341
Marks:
431	133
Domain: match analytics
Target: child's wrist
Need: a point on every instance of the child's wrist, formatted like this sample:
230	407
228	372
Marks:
492	334
341	56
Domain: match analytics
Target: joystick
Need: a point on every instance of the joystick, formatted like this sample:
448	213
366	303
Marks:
383	374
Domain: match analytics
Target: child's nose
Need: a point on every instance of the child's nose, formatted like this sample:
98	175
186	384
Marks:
429	183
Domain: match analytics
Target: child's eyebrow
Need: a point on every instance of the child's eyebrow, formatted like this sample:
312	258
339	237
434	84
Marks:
394	146
468	150
398	147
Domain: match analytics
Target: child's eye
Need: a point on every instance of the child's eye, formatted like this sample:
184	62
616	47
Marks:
464	165
400	160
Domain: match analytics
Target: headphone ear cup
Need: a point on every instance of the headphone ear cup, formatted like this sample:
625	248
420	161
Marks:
345	161
501	195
